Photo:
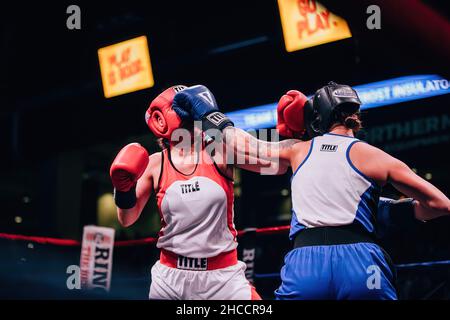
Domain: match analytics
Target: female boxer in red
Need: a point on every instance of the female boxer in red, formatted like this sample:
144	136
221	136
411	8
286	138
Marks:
335	186
194	194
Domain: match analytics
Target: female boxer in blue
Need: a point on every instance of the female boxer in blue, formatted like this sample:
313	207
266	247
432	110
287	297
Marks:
335	185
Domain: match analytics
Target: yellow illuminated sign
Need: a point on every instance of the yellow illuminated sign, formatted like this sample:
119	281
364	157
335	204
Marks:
125	67
307	23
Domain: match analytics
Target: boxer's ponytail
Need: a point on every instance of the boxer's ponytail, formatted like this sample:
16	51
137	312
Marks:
349	120
353	122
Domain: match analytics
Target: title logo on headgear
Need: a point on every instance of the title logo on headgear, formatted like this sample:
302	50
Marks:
345	92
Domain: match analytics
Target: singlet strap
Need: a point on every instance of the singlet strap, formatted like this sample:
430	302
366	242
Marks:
176	169
158	187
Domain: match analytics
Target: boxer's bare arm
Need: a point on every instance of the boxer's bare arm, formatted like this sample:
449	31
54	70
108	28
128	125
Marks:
432	202
144	188
383	168
257	155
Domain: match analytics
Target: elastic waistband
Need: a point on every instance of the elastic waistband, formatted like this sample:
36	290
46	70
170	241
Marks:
223	260
325	236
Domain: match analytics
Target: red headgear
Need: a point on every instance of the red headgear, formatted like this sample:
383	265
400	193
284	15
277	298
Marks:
160	117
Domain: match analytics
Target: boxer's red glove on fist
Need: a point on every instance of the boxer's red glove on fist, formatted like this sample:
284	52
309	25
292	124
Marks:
128	166
290	113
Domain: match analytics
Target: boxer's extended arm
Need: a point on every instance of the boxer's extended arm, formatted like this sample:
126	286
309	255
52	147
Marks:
241	149
251	153
430	201
272	157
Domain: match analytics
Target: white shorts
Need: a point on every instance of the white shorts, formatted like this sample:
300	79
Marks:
221	284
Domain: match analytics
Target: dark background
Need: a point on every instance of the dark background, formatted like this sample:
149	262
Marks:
58	134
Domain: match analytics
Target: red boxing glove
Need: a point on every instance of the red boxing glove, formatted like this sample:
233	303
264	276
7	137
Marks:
128	166
290	113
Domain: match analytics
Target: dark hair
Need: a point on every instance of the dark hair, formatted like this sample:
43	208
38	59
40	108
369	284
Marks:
352	120
162	143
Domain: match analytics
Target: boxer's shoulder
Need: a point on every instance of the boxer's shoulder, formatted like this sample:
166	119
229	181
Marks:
371	161
154	166
155	158
365	151
155	161
294	151
298	145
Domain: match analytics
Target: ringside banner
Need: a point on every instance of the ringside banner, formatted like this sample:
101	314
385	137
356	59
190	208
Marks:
96	258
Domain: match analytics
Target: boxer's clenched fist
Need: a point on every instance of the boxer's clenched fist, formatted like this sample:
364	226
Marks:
128	166
290	113
198	102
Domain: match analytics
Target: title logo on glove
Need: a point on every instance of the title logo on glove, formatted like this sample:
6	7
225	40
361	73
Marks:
216	118
206	95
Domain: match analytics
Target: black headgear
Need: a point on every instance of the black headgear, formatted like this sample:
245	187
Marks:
320	110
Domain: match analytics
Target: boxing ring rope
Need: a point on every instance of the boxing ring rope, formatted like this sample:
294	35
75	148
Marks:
124	243
153	240
41	240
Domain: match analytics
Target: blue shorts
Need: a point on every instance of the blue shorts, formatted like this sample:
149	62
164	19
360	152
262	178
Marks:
336	272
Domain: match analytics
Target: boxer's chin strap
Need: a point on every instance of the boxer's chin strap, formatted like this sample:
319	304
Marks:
125	199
